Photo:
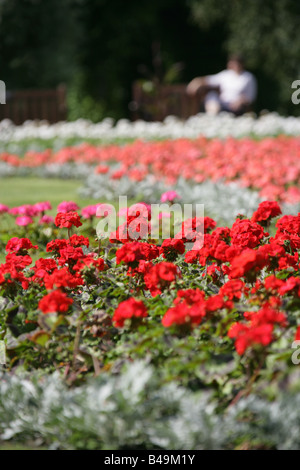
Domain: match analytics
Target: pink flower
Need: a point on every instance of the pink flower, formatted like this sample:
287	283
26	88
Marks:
24	210
169	196
24	220
46	219
67	206
3	208
89	212
42	206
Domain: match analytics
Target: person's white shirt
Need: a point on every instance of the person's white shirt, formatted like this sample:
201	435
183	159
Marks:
234	85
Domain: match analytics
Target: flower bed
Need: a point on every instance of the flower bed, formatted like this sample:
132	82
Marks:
208	300
209	313
270	166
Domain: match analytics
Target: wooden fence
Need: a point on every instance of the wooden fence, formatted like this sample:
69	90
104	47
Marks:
22	105
161	101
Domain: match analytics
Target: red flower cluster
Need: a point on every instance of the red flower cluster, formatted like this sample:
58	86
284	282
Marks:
266	211
128	310
67	219
69	252
188	310
171	248
12	270
246	234
55	302
159	276
258	330
132	253
19	245
191	306
136	227
62	278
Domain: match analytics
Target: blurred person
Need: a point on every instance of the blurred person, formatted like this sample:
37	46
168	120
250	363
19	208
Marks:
233	90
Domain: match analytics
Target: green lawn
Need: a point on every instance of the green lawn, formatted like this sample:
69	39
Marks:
16	191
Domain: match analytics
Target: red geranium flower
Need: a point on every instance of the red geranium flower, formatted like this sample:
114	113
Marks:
90	262
266	211
129	309
297	334
160	276
247	264
246	234
62	278
16	245
232	289
184	314
67	220
79	240
56	301
56	245
133	252
171	248
247	335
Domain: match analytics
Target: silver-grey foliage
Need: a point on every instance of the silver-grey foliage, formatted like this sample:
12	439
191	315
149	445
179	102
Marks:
134	409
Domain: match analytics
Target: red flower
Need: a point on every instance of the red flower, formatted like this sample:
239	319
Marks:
292	284
194	229
133	252
160	276
70	255
266	315
47	264
18	261
192	257
272	283
79	240
247	264
215	302
56	301
17	245
171	248
62	278
258	330
246	234
266	211
41	268
90	262
56	245
67	219
127	310
190	296
184	314
297	335
289	224
247	335
12	270
232	289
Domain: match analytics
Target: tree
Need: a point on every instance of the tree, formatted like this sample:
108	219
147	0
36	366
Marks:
38	42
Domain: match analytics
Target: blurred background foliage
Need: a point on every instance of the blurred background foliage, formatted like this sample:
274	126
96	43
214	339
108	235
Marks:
98	48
